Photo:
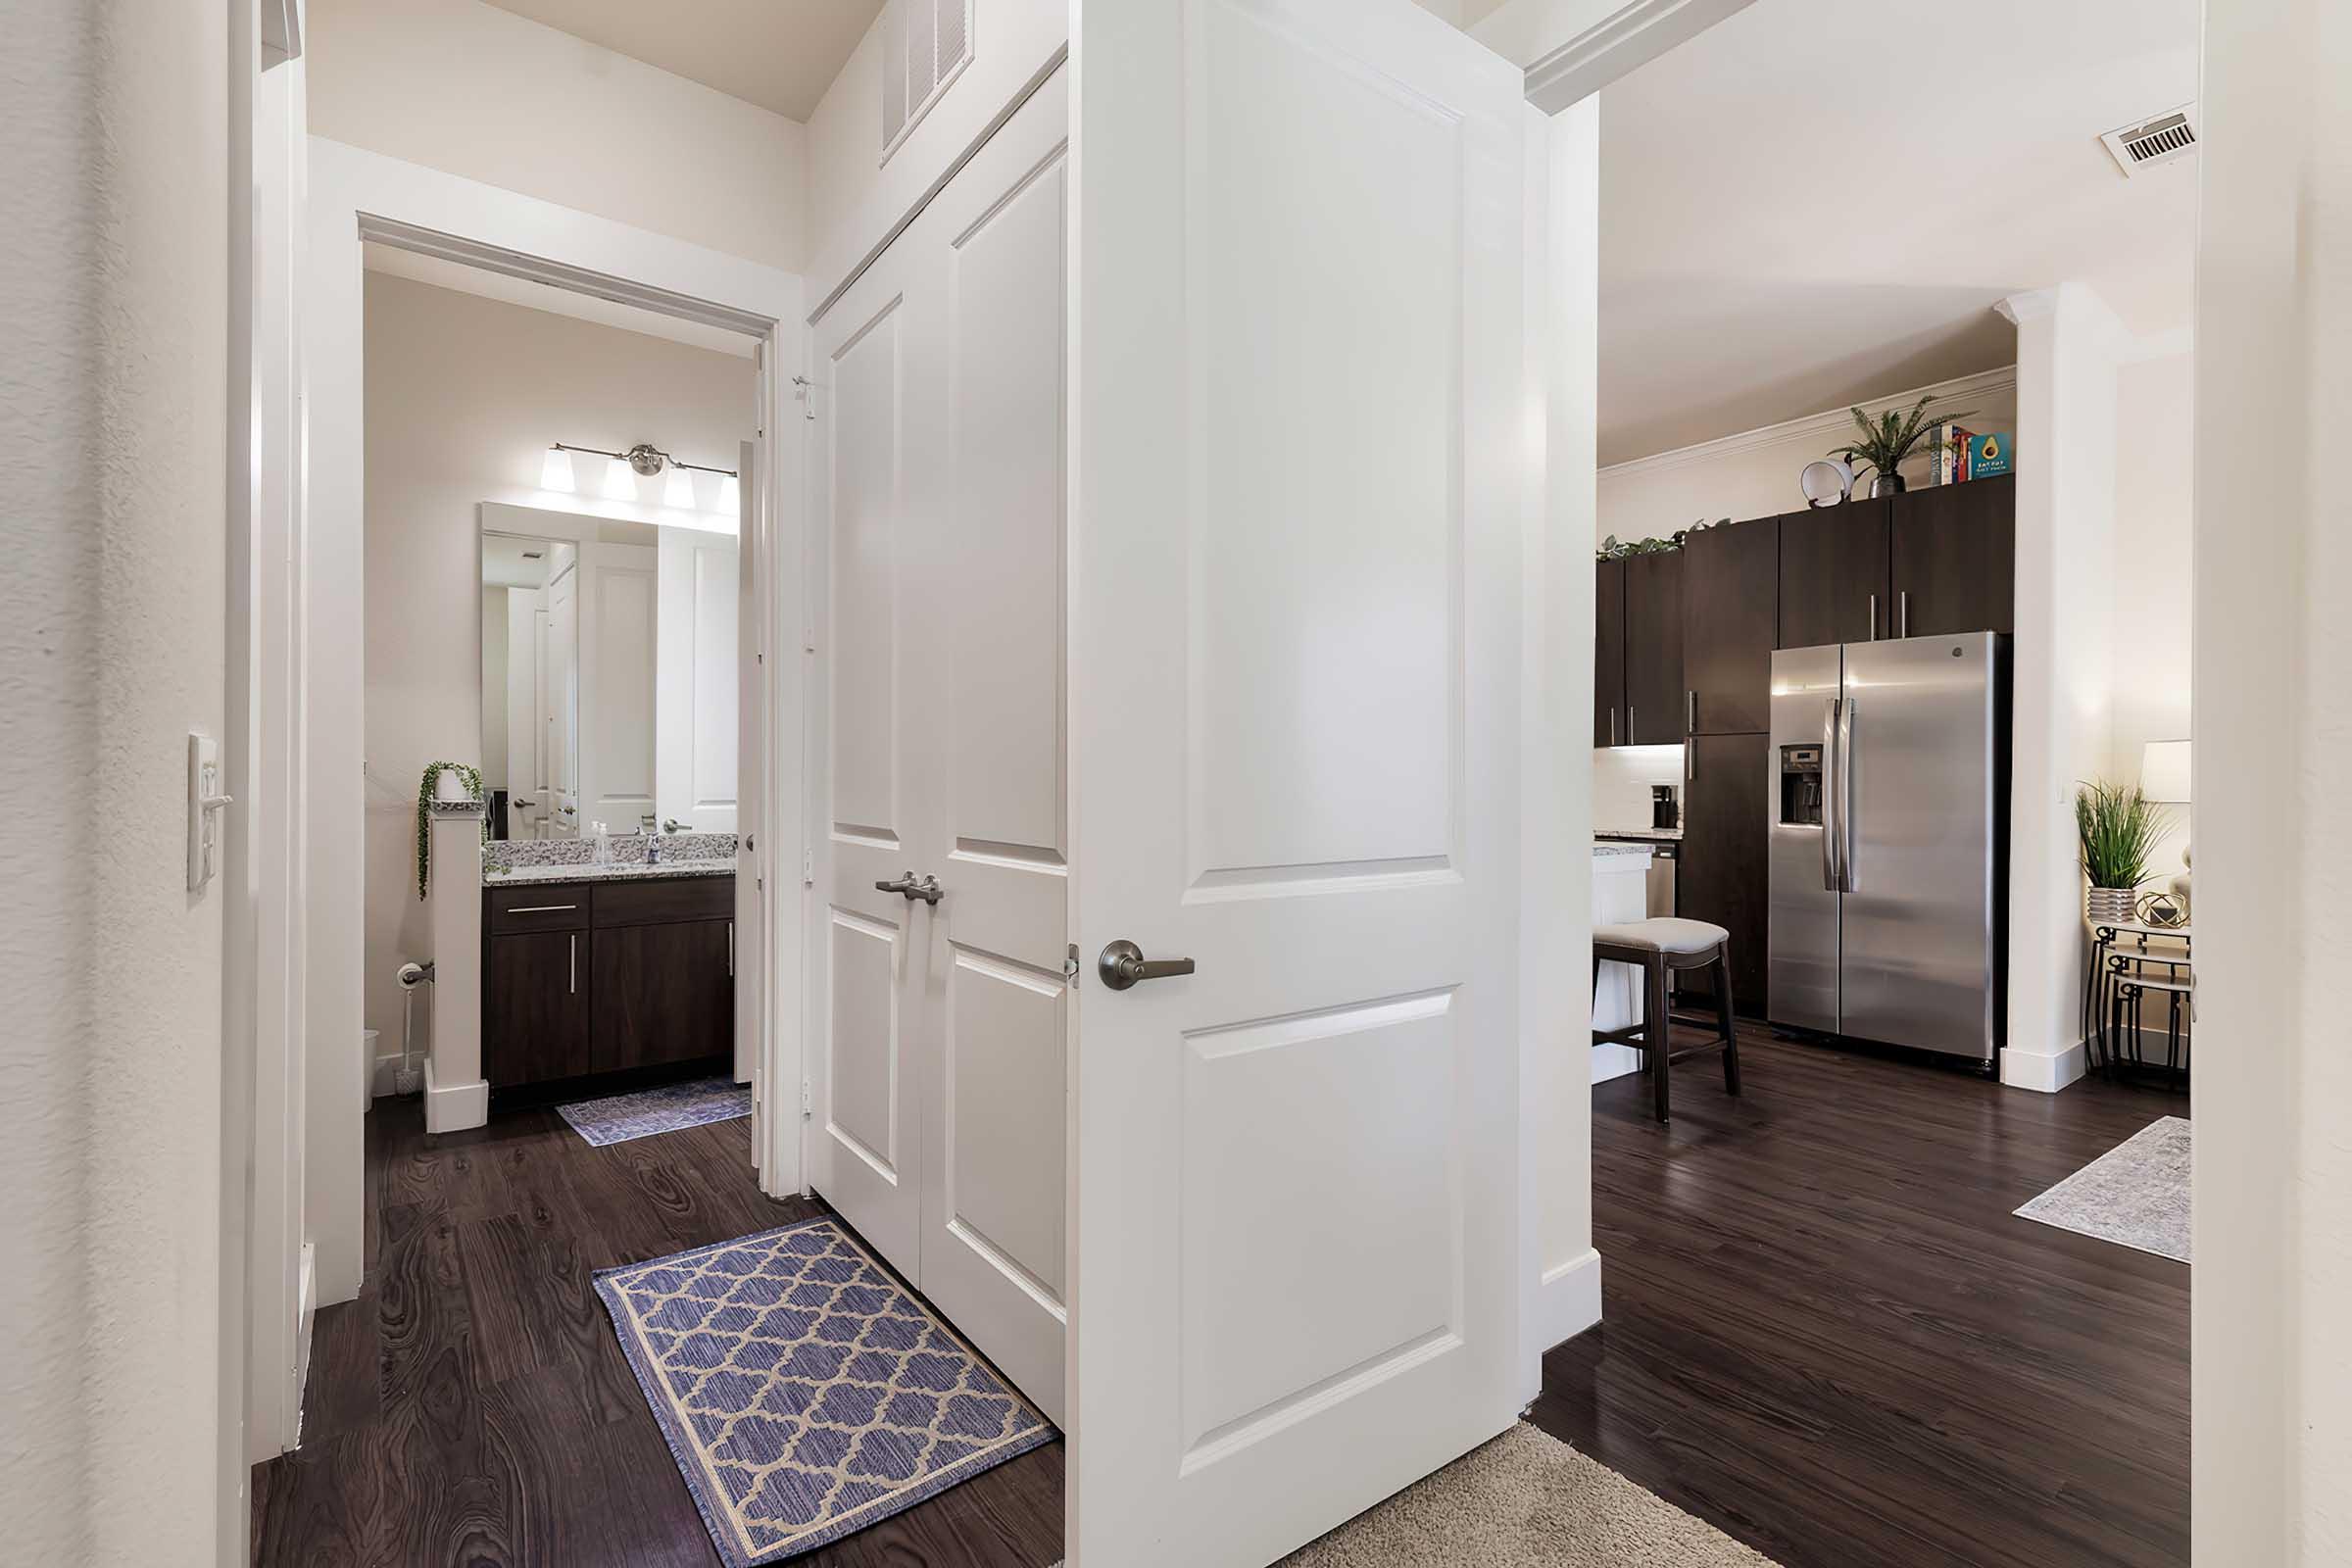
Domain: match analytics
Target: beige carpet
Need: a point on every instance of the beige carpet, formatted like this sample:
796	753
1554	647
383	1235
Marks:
1526	1501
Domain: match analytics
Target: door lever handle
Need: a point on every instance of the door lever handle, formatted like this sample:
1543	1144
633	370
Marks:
905	884
1123	964
928	889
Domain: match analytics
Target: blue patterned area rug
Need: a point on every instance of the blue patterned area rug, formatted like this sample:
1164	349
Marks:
617	1118
803	1393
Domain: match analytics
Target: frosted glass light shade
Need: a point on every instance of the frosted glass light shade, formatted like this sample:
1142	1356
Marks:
555	473
678	491
730	497
2164	771
620	484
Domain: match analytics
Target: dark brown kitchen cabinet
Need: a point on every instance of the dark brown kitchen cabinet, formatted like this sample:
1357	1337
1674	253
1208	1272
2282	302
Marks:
1609	653
664	994
1954	558
1731	619
1724	874
1833	578
1653	649
535	991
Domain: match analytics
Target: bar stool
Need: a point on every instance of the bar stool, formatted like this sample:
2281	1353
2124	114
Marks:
1659	948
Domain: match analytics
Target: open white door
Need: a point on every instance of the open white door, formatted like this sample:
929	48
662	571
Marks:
1295	678
750	784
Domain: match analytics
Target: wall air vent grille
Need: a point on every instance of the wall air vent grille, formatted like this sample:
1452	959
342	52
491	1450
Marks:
2146	143
926	46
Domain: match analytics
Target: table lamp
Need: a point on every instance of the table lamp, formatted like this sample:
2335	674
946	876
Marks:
2164	777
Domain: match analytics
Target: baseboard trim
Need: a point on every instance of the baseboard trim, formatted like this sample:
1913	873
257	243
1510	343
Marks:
1568	1299
454	1107
2044	1074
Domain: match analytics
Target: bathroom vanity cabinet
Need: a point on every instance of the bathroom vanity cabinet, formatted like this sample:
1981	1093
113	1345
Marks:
605	976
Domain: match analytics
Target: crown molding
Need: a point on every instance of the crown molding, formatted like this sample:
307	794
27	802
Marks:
1831	421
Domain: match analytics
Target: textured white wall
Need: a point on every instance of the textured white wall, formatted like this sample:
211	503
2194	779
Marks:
113	309
2272	1369
463	396
2154	469
473	90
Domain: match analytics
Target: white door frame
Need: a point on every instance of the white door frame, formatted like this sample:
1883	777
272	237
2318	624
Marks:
355	195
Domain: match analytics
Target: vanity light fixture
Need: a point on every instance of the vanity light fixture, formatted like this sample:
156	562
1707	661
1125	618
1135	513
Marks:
730	497
623	468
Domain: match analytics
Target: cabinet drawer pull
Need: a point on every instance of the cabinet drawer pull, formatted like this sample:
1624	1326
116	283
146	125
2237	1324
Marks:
574	945
541	908
730	950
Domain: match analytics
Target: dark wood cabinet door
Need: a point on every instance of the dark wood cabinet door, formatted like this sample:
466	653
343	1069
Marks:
536	994
1731	618
1653	649
664	992
1955	559
1724	873
1833	576
1609	653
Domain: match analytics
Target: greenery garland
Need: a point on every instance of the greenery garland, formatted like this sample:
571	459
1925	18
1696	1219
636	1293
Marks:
424	813
1615	549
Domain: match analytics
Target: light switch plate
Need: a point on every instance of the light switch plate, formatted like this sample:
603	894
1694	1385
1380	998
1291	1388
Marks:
205	800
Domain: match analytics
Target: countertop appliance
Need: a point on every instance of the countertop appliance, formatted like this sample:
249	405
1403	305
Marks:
1665	806
1890	841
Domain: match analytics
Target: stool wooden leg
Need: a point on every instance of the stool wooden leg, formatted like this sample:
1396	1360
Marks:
1723	1020
1657	1031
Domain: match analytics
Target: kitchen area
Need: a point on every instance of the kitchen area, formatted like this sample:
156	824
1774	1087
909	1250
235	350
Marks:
1800	736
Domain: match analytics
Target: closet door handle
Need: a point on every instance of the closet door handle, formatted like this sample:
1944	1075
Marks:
1123	964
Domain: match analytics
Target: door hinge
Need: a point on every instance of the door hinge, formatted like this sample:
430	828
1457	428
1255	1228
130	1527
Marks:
807	868
807	1100
1069	965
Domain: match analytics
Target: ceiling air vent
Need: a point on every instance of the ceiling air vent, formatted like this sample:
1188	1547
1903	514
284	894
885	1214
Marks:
2169	136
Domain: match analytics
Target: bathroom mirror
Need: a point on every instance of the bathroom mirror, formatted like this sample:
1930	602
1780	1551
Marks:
609	675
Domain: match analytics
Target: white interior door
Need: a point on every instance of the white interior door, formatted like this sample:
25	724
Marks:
1299	449
865	973
940	470
988	332
746	692
614	715
525	741
562	712
697	708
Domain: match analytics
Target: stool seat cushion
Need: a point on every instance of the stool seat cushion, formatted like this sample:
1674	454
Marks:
1663	935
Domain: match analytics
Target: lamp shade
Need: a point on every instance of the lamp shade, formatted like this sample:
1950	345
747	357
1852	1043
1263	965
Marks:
2164	771
678	491
556	472
730	497
620	483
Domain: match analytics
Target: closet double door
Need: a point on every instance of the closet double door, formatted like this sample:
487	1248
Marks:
937	1067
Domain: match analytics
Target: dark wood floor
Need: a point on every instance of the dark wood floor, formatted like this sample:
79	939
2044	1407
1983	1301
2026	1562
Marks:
474	1407
1825	1333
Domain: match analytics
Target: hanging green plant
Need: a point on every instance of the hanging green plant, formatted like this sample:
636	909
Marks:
424	813
1615	549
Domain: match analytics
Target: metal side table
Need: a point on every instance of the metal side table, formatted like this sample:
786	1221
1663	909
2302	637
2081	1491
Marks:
2130	964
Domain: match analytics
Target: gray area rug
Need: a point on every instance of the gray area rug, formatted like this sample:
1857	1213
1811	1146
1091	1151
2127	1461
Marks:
2137	1194
1526	1501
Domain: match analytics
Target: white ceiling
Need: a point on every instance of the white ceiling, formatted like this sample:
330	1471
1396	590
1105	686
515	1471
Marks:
444	273
779	54
1818	201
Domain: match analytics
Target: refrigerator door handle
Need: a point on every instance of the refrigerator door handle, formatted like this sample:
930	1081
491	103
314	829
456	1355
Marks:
1829	794
1845	796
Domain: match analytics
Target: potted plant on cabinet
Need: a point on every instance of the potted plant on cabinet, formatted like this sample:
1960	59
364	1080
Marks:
2118	831
1885	442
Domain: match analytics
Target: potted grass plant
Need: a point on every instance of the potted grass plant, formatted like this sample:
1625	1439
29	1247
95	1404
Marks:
2119	830
1883	443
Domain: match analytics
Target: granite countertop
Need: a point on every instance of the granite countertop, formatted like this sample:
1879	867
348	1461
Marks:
1649	835
543	860
1601	849
615	871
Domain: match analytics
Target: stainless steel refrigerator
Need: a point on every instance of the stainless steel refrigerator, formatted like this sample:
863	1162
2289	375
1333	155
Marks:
1889	818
